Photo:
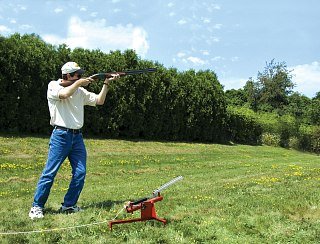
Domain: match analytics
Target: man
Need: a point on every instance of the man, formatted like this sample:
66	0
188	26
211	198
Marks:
66	101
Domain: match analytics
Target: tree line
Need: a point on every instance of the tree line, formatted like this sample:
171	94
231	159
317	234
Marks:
289	119
165	105
168	104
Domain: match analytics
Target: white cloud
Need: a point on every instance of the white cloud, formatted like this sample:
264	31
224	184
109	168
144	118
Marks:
196	60
182	22
213	7
25	27
212	39
170	5
5	30
217	26
58	10
181	54
116	10
205	52
18	8
94	14
53	39
206	20
216	58
12	21
97	35
234	59
307	78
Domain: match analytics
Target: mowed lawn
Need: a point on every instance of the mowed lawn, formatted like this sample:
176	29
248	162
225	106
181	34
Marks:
229	194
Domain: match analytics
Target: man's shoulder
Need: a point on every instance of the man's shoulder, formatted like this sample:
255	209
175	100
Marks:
54	82
53	89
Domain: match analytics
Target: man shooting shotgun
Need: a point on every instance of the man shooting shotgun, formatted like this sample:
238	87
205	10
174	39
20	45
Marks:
66	100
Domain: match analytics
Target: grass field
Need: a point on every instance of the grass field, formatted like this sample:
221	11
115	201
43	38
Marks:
229	194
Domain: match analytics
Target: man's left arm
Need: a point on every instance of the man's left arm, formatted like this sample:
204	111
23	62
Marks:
103	93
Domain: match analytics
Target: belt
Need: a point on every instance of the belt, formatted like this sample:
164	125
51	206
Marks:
74	131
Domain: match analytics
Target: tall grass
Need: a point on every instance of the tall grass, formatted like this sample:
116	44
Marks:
229	194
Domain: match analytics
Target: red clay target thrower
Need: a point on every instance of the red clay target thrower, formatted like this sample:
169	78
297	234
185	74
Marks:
146	205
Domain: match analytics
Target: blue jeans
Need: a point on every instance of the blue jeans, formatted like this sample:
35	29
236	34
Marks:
63	144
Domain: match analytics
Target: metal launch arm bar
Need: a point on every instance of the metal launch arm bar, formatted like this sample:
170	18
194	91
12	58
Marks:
156	192
166	185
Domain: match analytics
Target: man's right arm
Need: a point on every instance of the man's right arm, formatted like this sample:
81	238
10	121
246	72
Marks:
69	90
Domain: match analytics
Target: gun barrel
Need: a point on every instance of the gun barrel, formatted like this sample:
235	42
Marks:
140	71
102	75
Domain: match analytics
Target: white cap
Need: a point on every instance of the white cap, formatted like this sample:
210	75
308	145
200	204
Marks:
71	67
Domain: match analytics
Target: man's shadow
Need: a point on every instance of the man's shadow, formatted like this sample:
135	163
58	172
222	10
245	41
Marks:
106	205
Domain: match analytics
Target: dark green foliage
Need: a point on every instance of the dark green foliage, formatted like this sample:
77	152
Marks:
287	128
27	64
299	106
309	138
244	126
314	110
236	97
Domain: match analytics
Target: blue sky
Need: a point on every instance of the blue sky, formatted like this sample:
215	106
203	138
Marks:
234	38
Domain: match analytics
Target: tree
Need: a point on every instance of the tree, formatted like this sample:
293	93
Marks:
274	85
251	92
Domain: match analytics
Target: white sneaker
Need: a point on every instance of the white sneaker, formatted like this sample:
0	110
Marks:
36	213
68	210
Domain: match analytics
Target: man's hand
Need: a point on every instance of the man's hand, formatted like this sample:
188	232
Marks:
113	77
84	81
102	95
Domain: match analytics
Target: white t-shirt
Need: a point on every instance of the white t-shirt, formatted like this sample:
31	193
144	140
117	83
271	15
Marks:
68	112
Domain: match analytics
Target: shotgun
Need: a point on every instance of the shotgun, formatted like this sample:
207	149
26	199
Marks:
104	75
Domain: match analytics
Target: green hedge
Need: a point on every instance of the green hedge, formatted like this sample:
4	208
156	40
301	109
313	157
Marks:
168	104
244	126
287	132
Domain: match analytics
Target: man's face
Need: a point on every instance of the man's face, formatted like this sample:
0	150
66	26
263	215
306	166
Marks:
75	77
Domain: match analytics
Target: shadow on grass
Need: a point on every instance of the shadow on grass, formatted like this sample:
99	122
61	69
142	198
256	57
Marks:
106	205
